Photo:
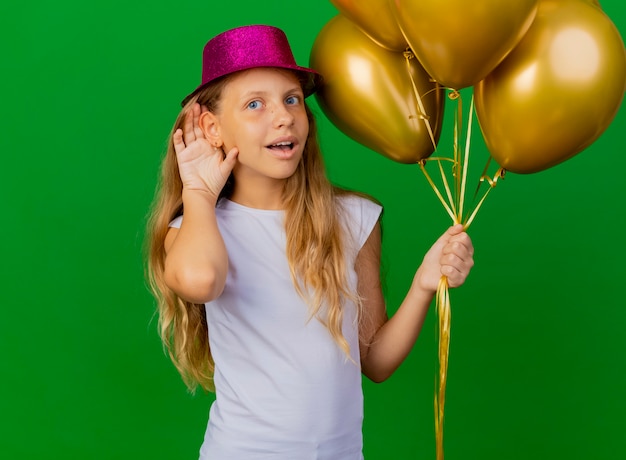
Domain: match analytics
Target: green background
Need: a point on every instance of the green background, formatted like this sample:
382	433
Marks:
89	92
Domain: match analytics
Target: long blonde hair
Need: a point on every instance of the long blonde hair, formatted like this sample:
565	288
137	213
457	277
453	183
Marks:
315	251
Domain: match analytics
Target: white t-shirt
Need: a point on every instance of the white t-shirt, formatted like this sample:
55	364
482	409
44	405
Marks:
284	388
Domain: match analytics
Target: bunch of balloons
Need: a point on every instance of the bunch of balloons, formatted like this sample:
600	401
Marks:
548	75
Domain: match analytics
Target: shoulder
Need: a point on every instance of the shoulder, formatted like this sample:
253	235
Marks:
359	214
358	205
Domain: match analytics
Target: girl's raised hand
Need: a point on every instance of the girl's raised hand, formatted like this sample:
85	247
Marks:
202	166
452	255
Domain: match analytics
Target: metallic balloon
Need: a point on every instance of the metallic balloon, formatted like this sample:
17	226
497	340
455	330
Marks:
375	18
557	91
368	93
459	42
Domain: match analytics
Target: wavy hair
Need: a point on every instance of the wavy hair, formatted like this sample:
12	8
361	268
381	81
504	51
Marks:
315	251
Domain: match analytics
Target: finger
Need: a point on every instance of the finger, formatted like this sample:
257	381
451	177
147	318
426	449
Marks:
455	277
462	262
188	128
449	233
451	272
459	261
456	273
460	242
455	229
229	161
179	144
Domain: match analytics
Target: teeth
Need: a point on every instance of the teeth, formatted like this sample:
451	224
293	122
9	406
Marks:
283	143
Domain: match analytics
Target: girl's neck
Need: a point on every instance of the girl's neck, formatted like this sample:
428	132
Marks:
259	196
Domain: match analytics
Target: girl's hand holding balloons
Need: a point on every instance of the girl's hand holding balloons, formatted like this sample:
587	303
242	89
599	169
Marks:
452	256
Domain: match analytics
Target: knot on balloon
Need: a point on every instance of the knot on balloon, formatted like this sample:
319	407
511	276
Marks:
454	95
493	182
408	54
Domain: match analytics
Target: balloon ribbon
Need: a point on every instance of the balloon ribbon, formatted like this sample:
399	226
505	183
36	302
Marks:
454	204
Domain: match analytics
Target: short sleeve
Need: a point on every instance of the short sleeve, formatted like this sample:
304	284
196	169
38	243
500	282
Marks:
176	222
360	217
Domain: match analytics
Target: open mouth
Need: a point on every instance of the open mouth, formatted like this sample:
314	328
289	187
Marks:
281	146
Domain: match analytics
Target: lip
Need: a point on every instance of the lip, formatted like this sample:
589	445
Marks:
284	154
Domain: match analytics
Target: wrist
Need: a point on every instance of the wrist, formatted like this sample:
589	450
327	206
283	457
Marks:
423	284
190	196
420	297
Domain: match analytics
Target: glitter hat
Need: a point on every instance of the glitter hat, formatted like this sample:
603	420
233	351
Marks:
249	47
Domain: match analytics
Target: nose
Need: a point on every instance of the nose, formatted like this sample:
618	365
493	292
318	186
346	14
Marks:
282	116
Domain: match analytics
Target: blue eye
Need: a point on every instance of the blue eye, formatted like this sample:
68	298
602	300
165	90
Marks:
254	105
292	100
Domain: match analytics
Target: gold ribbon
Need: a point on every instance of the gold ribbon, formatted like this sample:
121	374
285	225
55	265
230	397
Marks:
444	315
408	55
454	203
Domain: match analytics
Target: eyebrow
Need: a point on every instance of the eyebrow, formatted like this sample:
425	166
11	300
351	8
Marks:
249	94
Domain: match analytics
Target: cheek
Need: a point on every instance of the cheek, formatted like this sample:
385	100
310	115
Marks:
306	131
304	122
229	139
242	134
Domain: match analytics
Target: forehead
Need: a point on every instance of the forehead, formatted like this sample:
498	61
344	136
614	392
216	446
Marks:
262	79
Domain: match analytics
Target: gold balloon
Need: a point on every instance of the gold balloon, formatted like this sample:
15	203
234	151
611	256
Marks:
375	19
557	91
368	93
459	42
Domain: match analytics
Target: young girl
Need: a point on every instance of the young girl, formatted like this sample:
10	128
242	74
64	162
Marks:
267	277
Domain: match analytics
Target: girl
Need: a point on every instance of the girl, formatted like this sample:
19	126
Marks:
267	277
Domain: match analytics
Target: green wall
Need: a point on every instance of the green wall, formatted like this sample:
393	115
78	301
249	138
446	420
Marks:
89	92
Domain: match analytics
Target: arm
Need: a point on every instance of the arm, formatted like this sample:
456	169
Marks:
196	261
386	343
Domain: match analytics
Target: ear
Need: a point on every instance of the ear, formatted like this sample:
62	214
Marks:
210	126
